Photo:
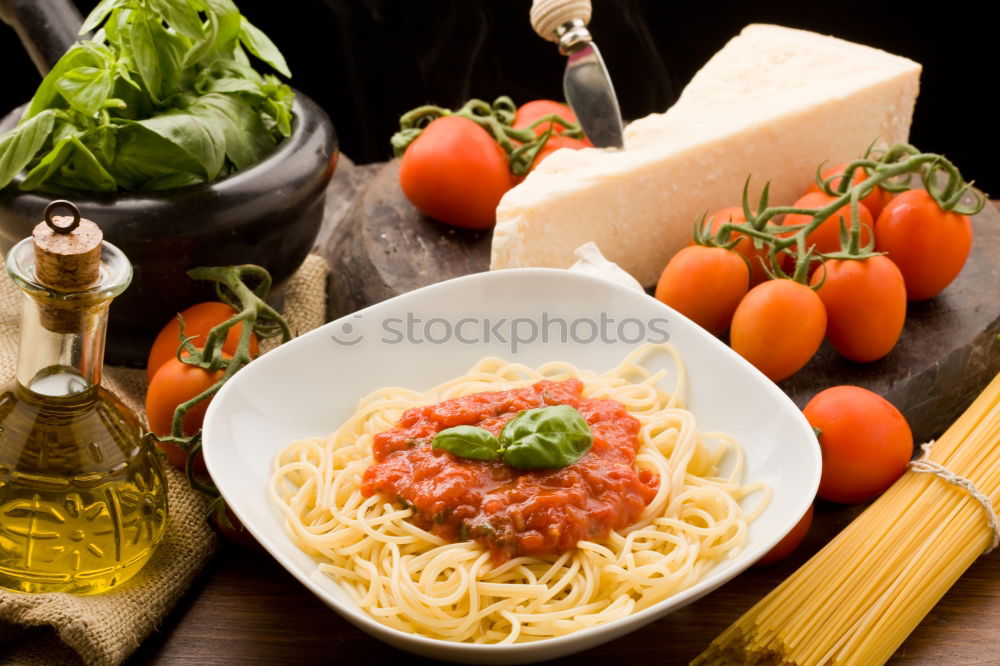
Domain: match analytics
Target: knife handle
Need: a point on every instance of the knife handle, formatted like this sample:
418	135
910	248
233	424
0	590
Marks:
552	19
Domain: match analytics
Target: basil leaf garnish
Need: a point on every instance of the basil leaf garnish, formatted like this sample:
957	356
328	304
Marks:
468	442
545	437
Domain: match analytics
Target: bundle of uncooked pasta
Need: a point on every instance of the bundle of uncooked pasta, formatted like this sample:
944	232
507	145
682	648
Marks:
859	597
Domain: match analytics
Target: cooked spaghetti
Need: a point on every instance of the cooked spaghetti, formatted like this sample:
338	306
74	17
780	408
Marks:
405	571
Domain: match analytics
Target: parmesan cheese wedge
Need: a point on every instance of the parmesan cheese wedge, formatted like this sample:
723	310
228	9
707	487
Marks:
773	103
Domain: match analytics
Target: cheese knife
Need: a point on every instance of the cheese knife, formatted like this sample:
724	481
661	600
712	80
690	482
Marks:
586	83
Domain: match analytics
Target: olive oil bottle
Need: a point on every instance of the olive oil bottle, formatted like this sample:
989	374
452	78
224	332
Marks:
83	498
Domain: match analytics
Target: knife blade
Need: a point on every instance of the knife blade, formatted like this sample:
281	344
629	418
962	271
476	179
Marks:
586	83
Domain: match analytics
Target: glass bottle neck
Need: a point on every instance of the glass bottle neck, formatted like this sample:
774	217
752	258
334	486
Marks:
62	348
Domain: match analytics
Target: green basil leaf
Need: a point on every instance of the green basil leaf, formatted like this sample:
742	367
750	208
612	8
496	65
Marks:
261	46
156	56
247	140
180	15
98	14
47	96
20	145
145	160
70	164
468	442
86	88
223	31
201	138
546	437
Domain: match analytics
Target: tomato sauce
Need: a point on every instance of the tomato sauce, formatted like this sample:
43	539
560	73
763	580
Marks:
510	511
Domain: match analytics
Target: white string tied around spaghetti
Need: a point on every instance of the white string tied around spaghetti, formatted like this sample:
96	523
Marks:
926	466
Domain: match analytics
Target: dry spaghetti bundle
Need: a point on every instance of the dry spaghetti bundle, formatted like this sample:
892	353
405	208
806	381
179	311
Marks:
859	597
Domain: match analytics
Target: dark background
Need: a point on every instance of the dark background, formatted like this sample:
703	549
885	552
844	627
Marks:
367	61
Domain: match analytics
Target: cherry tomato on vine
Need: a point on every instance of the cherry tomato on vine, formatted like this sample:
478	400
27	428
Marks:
174	384
928	245
874	202
756	257
778	326
865	302
456	173
865	441
792	540
826	237
198	321
529	112
705	284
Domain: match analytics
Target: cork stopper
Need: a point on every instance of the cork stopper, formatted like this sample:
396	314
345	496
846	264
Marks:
67	259
67	249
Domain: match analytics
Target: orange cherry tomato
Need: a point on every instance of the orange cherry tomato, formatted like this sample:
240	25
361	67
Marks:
174	384
865	302
874	202
826	237
866	443
198	321
778	326
530	112
705	284
792	540
928	245
756	257
456	173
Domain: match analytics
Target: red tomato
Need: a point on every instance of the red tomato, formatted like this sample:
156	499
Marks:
778	327
866	443
198	321
865	304
529	112
792	540
928	245
456	173
555	142
756	257
874	202
173	384
705	284
826	237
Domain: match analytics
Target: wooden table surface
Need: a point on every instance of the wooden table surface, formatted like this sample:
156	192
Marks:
245	608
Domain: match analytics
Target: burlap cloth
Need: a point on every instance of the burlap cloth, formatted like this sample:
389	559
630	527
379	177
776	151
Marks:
52	629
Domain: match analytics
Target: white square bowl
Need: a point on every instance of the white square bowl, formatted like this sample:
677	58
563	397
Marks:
309	386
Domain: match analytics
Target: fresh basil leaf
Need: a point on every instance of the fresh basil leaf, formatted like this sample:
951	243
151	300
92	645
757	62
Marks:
468	442
223	31
86	88
116	29
99	13
145	160
20	145
226	76
47	95
156	57
203	140
70	164
261	46
546	437
180	15
279	104
247	140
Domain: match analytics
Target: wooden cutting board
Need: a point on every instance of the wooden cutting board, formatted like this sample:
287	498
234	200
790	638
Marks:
949	349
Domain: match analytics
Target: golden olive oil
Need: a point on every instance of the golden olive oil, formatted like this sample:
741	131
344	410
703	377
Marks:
83	499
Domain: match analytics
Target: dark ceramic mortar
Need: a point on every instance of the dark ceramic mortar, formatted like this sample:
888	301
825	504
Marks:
268	215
